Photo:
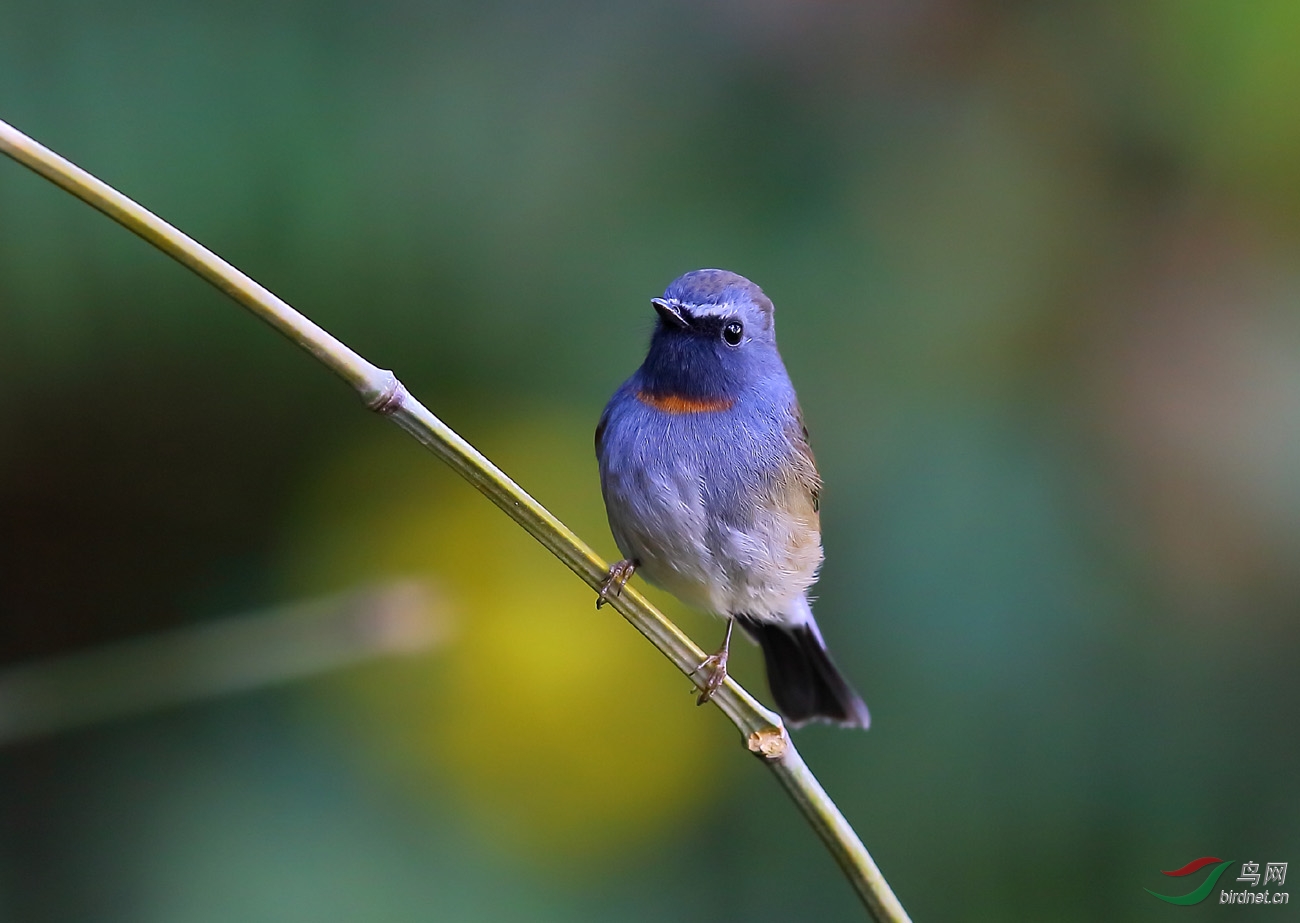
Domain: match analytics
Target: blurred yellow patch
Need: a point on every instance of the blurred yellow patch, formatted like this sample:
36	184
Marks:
558	728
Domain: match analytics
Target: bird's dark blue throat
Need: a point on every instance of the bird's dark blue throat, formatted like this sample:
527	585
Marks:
689	370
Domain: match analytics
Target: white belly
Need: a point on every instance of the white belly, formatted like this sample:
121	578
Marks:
661	521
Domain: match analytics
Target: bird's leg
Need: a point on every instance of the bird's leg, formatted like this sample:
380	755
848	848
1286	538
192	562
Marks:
715	665
619	574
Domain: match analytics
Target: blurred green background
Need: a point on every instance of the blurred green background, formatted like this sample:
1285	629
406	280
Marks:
1038	284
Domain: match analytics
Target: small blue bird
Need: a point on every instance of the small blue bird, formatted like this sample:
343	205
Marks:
711	488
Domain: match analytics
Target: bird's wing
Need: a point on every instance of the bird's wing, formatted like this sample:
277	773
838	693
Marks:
600	431
805	466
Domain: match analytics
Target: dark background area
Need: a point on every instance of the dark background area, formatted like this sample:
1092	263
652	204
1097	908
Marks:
1037	281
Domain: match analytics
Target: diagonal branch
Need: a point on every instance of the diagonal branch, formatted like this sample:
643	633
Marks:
379	388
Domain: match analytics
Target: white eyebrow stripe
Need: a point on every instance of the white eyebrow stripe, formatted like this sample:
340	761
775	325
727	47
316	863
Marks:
712	310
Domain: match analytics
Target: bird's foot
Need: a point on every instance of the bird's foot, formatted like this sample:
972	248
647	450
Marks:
619	574
715	668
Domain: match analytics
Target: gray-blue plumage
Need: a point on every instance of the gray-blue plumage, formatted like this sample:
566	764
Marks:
711	489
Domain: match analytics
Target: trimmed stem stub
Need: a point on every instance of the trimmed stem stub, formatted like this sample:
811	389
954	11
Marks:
770	743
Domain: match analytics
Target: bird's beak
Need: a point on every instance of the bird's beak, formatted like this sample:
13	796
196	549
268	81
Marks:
672	314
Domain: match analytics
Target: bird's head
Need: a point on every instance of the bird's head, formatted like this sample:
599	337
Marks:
715	338
713	306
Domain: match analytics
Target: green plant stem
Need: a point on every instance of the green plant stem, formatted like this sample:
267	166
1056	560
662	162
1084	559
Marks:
760	728
216	658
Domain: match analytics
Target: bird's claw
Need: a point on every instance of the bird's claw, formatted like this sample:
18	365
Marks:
715	668
619	574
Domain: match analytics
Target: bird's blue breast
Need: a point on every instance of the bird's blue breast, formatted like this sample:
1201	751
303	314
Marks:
731	444
691	493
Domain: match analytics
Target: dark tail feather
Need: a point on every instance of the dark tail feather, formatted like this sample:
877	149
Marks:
804	681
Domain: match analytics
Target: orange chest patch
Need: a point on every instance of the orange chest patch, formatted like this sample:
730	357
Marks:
676	403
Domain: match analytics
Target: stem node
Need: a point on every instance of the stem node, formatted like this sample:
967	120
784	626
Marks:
387	395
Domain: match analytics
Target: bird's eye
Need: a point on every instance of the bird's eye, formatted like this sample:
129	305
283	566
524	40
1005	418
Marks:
732	333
